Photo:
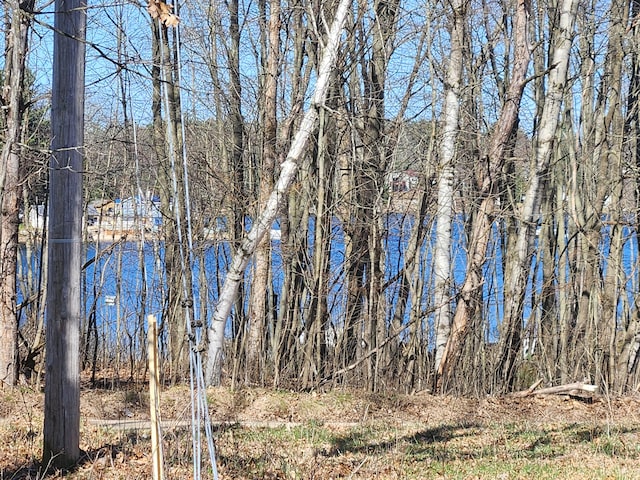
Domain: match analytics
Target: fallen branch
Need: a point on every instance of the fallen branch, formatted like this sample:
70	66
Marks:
568	388
528	391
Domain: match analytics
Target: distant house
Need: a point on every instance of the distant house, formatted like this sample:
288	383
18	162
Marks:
37	216
136	211
403	181
130	213
106	208
92	213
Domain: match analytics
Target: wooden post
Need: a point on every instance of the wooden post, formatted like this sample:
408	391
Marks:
61	443
154	399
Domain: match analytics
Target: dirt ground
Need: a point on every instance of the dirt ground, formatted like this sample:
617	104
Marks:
338	434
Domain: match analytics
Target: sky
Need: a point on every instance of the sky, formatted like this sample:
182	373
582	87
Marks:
103	88
102	85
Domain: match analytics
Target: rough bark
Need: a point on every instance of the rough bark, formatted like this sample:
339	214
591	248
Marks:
10	185
168	149
61	446
262	257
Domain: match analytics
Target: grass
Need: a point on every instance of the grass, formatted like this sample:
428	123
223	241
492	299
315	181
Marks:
494	451
306	436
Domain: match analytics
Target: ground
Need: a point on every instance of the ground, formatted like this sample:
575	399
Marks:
338	434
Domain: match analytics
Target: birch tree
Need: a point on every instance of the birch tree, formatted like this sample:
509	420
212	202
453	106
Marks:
264	221
451	114
518	267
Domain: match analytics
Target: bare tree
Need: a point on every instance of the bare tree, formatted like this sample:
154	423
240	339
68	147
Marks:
519	265
262	258
168	146
13	98
451	113
470	299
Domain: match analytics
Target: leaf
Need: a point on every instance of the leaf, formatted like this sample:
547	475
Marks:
159	9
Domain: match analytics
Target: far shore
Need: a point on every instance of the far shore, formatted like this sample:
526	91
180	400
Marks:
108	234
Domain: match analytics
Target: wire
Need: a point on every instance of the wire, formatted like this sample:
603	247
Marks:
199	405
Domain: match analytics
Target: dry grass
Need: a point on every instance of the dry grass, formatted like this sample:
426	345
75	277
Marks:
340	434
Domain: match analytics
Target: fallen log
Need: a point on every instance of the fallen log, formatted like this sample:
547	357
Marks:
566	389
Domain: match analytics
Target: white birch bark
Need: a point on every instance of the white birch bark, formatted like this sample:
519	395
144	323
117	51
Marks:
467	304
263	223
442	249
514	293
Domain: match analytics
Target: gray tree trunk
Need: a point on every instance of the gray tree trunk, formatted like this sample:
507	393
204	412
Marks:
12	96
262	258
61	445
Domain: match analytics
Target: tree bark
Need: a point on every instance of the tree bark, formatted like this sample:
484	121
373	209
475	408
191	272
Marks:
10	185
442	249
518	268
470	299
168	149
262	258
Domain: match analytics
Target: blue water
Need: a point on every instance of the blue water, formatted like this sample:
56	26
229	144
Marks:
118	301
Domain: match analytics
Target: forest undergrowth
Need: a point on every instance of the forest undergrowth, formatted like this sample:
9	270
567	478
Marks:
268	434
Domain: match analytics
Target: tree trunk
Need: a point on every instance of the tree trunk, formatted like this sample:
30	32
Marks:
518	268
316	323
168	150
470	299
262	257
10	185
294	224
442	251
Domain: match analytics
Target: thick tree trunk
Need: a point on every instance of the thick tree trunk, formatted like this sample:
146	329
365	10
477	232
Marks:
61	446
